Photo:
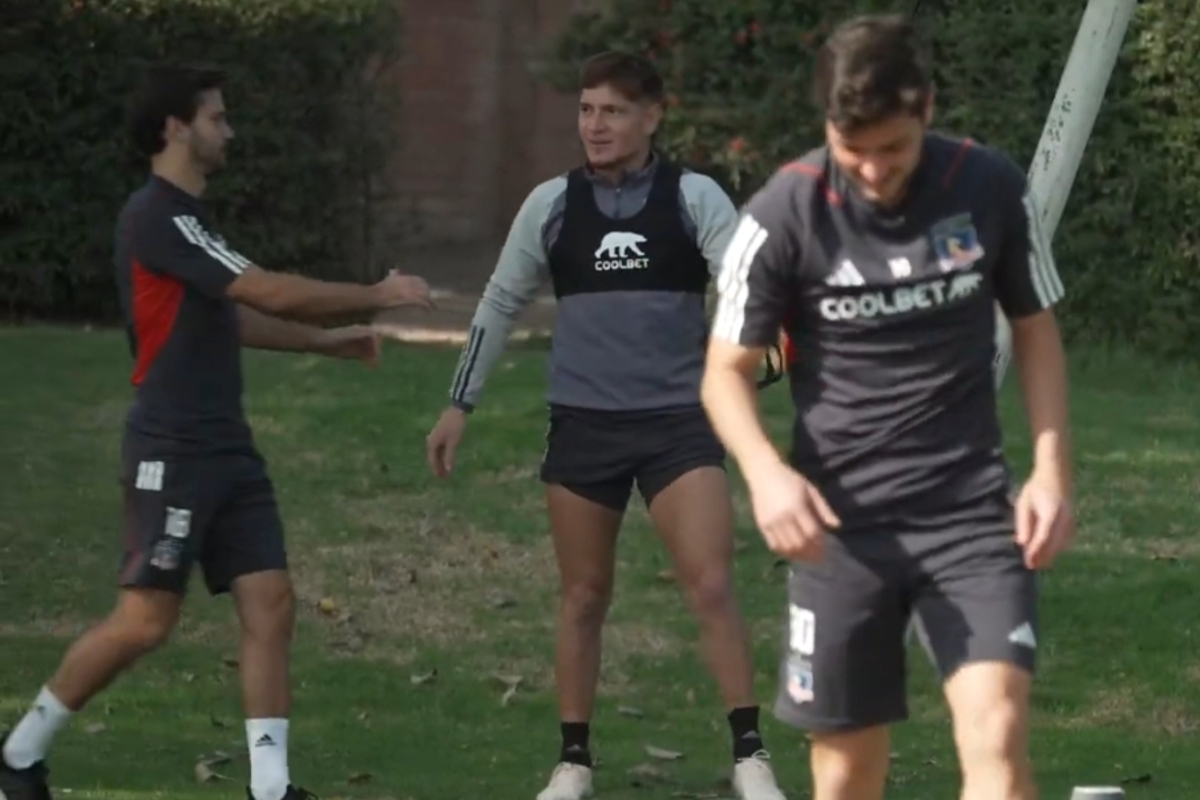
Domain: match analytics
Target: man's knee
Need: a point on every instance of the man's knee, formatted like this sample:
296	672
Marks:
990	733
989	703
144	618
709	590
585	601
852	765
266	604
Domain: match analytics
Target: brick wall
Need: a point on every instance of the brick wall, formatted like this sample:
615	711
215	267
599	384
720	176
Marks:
477	130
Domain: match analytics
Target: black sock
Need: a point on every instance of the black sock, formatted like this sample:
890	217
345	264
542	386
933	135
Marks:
743	724
575	744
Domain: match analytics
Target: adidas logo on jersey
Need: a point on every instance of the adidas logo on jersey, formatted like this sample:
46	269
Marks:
845	275
898	300
615	249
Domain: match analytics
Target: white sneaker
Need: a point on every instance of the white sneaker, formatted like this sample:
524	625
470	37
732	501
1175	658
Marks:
569	782
753	778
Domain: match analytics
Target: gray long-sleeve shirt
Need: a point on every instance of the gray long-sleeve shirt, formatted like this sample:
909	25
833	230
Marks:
707	214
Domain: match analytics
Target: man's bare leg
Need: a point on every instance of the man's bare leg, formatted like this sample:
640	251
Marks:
694	517
140	623
585	538
850	766
989	702
266	610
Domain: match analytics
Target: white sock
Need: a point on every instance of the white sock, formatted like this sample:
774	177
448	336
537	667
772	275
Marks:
267	740
29	741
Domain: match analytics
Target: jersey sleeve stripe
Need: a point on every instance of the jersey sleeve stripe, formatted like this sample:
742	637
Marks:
466	365
734	282
1043	272
192	231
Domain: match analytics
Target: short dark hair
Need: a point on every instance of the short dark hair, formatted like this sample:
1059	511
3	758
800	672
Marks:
632	75
872	67
167	90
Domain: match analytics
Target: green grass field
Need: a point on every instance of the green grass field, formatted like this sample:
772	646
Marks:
456	580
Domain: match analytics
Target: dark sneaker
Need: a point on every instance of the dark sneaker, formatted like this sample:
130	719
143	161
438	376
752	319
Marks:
23	784
293	793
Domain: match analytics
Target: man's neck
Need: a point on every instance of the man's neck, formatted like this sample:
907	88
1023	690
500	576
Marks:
184	176
615	173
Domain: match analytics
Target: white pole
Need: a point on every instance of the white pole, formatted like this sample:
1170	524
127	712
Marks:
1069	126
1065	136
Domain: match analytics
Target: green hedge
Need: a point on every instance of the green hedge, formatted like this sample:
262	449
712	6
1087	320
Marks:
738	77
306	111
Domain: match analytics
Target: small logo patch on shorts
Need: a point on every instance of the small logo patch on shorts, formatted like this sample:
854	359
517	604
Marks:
179	523
166	555
799	680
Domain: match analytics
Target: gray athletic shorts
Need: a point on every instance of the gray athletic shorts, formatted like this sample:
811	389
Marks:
844	664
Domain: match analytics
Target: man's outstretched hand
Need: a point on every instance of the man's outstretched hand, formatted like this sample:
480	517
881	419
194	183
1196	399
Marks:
354	342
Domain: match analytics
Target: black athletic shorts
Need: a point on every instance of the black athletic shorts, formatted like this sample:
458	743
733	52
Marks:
844	664
599	455
218	511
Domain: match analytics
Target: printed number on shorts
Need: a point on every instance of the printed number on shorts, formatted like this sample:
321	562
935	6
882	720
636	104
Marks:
802	629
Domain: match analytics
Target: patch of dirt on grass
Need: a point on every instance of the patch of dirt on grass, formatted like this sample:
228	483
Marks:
1153	548
1109	708
1124	710
428	579
60	628
418	579
108	415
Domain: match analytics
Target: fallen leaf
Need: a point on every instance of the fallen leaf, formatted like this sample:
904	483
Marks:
94	727
204	773
648	774
360	777
364	716
344	618
666	576
422	679
327	606
630	711
352	643
1144	778
661	754
189	677
691	697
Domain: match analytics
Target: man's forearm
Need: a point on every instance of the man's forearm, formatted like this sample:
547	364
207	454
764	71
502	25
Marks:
298	297
1042	367
264	332
731	402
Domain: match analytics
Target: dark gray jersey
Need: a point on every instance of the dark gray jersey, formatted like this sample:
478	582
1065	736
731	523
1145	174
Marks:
172	270
891	321
630	332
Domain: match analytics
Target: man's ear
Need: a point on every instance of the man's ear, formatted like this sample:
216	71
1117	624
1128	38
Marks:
654	116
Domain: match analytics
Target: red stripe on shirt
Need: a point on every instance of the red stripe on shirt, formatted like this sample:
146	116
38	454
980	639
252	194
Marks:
948	178
156	301
831	195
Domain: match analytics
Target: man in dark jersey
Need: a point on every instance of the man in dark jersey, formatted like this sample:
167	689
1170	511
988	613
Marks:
882	254
629	242
196	489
